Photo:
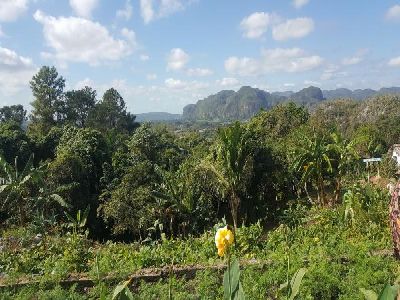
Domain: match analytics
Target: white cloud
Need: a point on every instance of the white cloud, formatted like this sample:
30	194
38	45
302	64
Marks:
199	72
177	59
333	72
393	13
126	12
288	60
348	61
394	62
129	35
146	10
355	59
311	82
151	76
85	82
10	10
293	29
15	71
79	40
255	25
228	81
288	85
168	7
144	57
154	9
300	3
177	84
83	8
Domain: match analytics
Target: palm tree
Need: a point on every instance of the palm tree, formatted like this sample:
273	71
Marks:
347	155
231	165
312	161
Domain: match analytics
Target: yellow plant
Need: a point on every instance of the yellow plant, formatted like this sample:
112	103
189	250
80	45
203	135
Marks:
223	240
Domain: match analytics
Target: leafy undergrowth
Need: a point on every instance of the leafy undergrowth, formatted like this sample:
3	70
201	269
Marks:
340	258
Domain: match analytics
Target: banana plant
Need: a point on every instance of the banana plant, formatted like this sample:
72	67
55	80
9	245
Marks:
312	161
14	192
79	222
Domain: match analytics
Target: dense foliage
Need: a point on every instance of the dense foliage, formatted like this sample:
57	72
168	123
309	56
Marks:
83	178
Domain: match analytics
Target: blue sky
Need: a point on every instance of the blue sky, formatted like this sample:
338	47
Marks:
163	54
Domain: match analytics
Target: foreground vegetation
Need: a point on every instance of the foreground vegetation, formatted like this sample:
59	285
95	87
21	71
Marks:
90	196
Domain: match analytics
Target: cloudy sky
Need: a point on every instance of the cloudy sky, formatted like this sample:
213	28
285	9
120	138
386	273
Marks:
164	54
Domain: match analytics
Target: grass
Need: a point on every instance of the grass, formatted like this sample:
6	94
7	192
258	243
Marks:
340	259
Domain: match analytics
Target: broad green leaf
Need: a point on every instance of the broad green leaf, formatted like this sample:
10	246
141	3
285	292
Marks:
295	282
69	217
388	293
368	294
283	286
3	188
59	200
227	291
239	295
235	274
122	292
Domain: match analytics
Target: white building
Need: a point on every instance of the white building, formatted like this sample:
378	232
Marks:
396	153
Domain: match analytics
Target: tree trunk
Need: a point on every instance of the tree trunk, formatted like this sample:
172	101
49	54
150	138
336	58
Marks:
337	190
394	215
321	192
235	203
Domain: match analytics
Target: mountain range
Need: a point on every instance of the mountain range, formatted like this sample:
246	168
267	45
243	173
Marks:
157	117
228	105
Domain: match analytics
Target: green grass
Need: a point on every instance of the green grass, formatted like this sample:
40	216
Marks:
340	259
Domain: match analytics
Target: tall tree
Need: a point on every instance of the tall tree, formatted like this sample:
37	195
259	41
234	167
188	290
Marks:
312	160
78	104
110	113
233	165
13	113
48	105
346	157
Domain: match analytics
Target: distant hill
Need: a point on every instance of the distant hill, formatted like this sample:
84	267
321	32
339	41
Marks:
246	102
157	117
358	94
231	105
228	105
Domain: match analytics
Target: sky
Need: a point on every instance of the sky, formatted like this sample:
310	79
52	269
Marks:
164	54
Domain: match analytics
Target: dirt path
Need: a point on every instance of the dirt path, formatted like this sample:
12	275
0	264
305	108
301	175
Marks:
83	280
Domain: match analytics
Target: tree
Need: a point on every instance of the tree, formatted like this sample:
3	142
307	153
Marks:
370	142
110	113
80	156
232	165
346	156
130	202
311	160
17	193
76	171
13	113
78	104
14	142
131	208
48	105
394	214
278	122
